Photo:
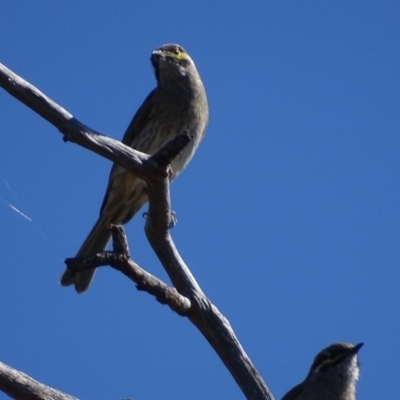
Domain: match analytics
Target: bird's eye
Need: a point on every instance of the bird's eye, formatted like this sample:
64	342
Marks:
176	50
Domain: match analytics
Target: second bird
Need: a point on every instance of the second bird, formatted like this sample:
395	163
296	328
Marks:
333	375
178	103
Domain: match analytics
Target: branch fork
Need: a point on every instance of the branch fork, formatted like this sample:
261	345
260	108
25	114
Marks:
185	296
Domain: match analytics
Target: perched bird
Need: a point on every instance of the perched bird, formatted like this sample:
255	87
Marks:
332	375
178	103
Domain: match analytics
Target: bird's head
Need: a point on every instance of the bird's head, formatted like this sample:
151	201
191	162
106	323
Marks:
171	62
332	375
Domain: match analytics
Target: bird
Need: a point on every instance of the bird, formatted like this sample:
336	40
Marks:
178	103
332	376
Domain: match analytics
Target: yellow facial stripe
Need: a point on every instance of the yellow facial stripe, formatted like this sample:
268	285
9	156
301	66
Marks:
180	56
331	360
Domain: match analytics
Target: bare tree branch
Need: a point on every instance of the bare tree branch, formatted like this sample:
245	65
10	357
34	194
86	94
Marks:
20	386
71	128
120	260
154	170
203	314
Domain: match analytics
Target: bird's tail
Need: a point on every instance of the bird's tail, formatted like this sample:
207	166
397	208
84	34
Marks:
96	242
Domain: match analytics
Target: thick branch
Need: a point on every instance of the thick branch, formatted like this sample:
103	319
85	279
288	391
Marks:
73	129
22	387
203	314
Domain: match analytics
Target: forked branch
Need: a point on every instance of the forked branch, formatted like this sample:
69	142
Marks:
155	171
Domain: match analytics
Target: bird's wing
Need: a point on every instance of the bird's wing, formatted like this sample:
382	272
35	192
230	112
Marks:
143	116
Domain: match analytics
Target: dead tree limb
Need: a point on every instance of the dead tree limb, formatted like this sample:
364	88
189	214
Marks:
154	170
22	387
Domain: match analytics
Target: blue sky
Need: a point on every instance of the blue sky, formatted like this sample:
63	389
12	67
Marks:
288	214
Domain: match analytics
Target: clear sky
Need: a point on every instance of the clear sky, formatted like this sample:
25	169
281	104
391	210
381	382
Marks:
288	214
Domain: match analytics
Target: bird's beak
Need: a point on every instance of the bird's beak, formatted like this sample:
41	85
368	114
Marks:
355	349
155	56
157	52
